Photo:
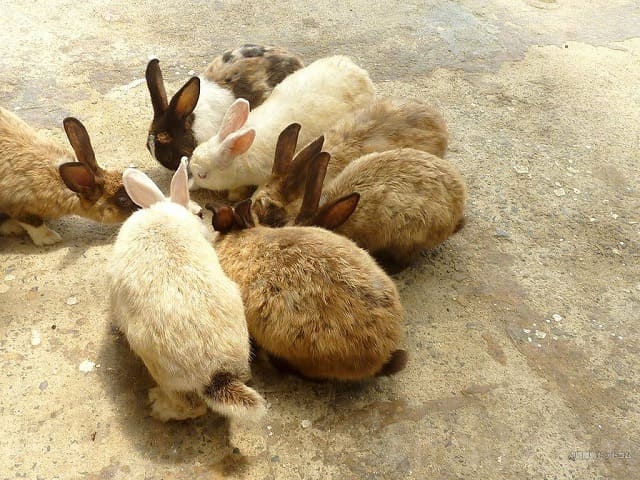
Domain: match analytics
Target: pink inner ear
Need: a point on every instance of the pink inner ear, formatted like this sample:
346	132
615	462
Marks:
76	176
241	142
235	117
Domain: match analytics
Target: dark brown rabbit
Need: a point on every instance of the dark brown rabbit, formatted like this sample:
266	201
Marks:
314	301
40	180
194	113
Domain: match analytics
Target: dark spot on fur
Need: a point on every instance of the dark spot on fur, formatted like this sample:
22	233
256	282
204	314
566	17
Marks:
249	50
244	88
33	220
219	381
122	201
396	362
280	67
227	56
4	217
224	387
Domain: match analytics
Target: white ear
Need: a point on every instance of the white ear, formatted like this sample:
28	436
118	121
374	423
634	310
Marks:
234	118
180	185
141	188
238	142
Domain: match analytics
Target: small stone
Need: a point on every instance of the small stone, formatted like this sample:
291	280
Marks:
529	339
501	233
576	191
592	219
72	300
9	278
43	385
305	423
4	288
236	450
540	334
521	169
556	317
35	338
86	366
192	72
275	459
615	251
560	192
526	330
572	170
554	337
614	215
547	320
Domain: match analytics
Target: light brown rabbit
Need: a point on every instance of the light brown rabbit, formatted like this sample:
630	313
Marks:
314	301
410	200
40	180
194	113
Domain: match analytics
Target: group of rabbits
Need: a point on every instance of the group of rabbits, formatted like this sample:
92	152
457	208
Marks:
292	263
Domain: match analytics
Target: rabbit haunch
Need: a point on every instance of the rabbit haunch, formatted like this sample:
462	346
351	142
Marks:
178	310
316	96
40	180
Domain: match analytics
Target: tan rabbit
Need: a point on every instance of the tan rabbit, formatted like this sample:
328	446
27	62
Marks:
410	200
40	180
194	113
178	310
313	300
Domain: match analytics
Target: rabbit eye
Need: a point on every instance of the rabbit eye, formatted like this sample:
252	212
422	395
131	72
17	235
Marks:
164	137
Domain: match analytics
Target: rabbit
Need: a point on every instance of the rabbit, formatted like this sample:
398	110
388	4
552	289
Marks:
180	313
410	200
41	180
314	301
195	111
317	96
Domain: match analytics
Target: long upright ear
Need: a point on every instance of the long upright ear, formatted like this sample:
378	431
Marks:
298	170
313	188
242	214
237	143
186	99
180	185
234	118
141	188
79	140
80	179
155	83
334	214
285	148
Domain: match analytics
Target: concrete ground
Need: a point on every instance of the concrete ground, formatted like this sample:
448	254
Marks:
522	329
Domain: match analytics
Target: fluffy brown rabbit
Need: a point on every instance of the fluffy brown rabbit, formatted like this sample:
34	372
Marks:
40	180
410	200
314	301
194	113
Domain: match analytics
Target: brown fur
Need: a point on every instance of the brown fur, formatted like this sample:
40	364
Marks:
31	186
314	299
252	71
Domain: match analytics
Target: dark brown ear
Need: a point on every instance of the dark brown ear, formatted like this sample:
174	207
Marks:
185	99
297	175
155	83
222	220
285	148
334	214
79	140
313	187
242	214
80	179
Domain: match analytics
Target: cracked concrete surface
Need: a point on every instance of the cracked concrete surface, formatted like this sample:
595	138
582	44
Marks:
522	329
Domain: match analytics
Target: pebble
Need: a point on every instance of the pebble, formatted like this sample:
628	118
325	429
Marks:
35	338
4	288
9	278
576	191
86	366
192	72
560	192
540	334
526	330
501	233
72	300
556	317
43	385
305	423
521	169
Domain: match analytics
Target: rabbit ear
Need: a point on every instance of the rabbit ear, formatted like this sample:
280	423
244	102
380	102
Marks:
242	214
222	220
313	187
80	179
185	99
234	118
141	188
155	83
180	185
285	148
297	174
236	144
334	214
79	140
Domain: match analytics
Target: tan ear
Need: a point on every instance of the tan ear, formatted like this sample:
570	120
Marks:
334	214
298	170
313	187
186	99
222	220
242	214
285	148
80	179
155	83
81	144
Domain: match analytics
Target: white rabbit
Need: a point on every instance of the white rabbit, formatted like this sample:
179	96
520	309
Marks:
178	310
317	97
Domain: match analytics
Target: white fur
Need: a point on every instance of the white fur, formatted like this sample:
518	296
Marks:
316	97
212	104
179	311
